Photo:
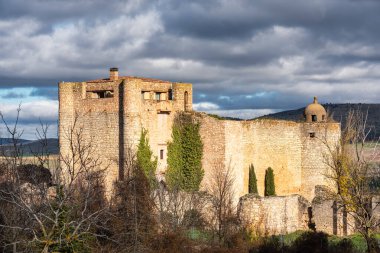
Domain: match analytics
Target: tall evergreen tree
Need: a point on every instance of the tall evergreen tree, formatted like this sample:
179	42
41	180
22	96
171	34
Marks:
145	159
252	184
185	155
269	183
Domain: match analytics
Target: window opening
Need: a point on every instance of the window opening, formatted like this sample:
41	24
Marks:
100	94
170	94
161	154
312	135
158	96
314	118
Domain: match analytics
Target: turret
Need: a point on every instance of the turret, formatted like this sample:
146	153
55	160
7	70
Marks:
315	112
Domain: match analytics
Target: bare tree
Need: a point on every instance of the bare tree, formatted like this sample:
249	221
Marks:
351	171
220	187
60	214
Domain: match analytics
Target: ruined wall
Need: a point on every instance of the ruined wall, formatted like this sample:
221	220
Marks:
328	214
274	215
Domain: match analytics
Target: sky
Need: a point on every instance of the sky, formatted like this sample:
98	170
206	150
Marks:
245	58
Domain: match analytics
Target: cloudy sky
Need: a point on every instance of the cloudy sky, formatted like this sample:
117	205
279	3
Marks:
244	57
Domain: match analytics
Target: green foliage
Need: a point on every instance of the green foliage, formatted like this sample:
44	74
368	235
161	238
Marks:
269	183
252	183
316	242
145	158
185	155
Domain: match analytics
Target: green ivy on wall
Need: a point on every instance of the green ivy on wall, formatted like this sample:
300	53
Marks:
185	154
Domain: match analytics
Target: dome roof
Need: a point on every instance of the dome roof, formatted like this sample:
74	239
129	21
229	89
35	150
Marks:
315	108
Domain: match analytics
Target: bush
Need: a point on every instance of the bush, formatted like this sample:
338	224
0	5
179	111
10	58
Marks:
342	246
311	242
271	244
269	183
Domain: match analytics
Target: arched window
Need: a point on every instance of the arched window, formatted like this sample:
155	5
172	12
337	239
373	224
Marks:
186	98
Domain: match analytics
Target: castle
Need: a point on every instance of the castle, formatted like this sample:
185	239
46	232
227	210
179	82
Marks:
115	109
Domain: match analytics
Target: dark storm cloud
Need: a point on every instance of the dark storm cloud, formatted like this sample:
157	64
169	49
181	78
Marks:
238	54
47	92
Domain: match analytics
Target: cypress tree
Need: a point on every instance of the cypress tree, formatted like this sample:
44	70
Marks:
145	158
252	184
269	183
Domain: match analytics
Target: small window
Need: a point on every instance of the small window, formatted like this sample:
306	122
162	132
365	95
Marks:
157	96
170	95
314	118
161	154
100	94
145	95
323	117
312	135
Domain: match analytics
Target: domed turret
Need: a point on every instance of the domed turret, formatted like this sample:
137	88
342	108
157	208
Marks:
315	112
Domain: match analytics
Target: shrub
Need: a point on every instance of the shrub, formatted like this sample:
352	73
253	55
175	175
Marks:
269	183
252	184
311	242
270	245
342	246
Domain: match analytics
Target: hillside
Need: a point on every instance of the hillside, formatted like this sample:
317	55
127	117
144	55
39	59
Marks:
29	147
338	112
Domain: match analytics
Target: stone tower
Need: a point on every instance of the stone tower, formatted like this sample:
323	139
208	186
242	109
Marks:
112	111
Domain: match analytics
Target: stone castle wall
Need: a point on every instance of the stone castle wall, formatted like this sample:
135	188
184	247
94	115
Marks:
296	158
113	125
274	215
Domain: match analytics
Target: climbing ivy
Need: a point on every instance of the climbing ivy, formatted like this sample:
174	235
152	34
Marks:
252	184
145	158
269	183
185	154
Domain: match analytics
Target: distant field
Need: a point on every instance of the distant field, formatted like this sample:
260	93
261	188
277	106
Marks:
371	152
53	160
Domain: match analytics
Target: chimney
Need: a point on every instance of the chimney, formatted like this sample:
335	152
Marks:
114	74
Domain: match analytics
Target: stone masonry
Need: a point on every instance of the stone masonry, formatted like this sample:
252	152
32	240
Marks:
113	111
